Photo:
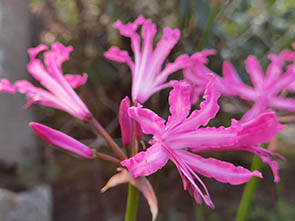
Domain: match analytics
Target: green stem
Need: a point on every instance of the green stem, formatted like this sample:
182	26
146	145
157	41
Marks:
249	191
132	203
211	20
199	212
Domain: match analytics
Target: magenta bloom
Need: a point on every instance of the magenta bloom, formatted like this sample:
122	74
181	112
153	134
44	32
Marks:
171	140
59	93
62	140
266	88
148	77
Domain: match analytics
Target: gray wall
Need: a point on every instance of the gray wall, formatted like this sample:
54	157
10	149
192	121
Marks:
17	143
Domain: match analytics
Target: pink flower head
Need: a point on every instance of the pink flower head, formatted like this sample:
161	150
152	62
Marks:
59	93
181	131
148	77
62	140
266	88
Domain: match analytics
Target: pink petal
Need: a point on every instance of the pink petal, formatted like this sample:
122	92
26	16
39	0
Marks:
62	140
232	84
256	109
6	86
283	82
179	100
221	171
265	155
40	96
282	103
203	137
288	55
76	80
208	110
230	74
274	70
33	52
259	130
181	62
146	163
169	38
125	122
121	56
202	55
150	122
255	71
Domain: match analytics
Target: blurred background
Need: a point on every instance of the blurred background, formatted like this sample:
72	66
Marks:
40	183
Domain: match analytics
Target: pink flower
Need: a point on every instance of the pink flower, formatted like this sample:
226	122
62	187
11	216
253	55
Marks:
62	140
181	131
266	88
59	93
148	77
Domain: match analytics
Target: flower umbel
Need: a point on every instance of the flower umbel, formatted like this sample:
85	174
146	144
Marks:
59	93
148	77
182	131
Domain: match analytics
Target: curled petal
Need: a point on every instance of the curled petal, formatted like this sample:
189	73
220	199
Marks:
208	110
202	55
169	38
33	52
125	122
288	55
121	56
255	71
265	156
76	80
6	86
181	62
146	163
62	140
221	171
149	122
179	100
129	29
259	130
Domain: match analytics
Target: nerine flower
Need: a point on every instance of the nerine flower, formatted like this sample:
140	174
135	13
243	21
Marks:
148	77
266	88
62	140
181	131
59	93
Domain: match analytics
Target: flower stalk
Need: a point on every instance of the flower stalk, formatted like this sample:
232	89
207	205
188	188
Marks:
249	191
132	203
109	140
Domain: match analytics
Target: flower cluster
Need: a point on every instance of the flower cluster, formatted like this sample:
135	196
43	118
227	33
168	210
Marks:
184	136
